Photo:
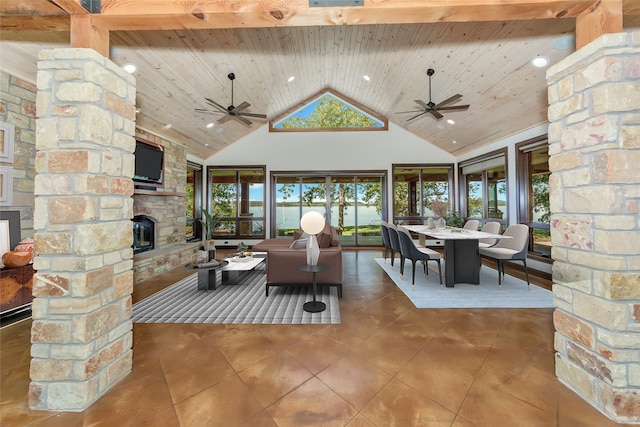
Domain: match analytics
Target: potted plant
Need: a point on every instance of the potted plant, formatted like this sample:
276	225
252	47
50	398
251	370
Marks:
454	219
209	223
242	249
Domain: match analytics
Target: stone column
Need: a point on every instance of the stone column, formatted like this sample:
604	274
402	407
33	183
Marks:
82	333
594	138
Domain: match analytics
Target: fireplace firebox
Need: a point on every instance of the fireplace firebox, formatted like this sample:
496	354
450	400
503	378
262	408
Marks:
143	234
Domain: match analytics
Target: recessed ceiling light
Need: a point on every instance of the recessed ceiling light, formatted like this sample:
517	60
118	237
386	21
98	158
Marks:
367	78
129	68
291	78
138	110
440	126
206	145
451	122
454	142
168	125
540	61
210	125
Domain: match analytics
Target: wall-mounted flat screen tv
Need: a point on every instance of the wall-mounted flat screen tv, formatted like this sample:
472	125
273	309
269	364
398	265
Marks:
149	163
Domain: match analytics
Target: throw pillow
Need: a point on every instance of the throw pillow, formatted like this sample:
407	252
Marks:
298	244
299	234
324	240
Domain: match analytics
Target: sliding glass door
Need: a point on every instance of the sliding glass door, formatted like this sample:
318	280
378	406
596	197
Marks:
353	204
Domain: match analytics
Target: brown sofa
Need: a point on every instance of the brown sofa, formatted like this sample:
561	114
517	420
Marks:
282	260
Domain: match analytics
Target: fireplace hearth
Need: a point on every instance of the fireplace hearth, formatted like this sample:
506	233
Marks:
143	234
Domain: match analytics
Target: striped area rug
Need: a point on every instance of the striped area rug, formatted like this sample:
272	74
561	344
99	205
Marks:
246	303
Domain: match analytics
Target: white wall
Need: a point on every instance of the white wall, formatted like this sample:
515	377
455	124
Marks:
309	151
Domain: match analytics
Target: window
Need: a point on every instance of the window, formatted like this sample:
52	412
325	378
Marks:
193	201
237	198
420	192
533	193
484	183
328	111
352	203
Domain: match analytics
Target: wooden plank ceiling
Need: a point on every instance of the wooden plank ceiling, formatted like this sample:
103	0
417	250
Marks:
487	61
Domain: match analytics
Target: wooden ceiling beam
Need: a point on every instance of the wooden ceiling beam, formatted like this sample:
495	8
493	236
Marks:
72	7
161	15
86	34
35	23
604	17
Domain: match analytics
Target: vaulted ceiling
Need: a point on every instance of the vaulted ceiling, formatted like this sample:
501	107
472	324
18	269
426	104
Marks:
487	62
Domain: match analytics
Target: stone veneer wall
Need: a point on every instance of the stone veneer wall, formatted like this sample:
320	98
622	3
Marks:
594	139
81	333
18	107
167	207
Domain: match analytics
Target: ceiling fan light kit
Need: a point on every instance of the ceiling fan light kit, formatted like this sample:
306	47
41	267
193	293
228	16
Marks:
433	108
231	112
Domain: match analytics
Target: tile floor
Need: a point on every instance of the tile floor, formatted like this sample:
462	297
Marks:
386	364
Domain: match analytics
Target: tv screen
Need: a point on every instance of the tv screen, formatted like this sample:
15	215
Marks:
148	164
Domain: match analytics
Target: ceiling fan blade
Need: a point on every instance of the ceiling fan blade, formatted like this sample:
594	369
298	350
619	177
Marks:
455	107
225	118
449	100
215	104
415	117
242	120
259	116
436	114
241	107
422	104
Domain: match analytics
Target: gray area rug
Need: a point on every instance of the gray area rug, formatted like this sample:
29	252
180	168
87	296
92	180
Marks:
246	303
428	293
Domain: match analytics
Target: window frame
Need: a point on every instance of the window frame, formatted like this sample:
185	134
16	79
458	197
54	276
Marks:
327	176
522	191
421	218
462	186
238	219
197	226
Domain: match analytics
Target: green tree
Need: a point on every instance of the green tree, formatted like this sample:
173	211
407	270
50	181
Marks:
540	189
330	113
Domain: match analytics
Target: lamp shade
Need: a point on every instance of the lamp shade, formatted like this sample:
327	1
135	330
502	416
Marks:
312	223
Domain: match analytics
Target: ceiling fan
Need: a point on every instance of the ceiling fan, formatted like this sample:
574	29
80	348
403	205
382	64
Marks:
431	107
231	112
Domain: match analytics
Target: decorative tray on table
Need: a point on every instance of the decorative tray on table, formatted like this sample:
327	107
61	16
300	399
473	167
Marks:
209	264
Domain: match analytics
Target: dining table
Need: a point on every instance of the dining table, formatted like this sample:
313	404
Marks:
461	251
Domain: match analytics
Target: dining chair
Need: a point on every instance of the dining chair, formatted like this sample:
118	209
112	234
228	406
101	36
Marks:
410	251
472	224
514	248
492	227
395	243
386	241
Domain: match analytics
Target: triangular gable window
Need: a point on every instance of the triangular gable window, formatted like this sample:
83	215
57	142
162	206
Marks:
328	111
